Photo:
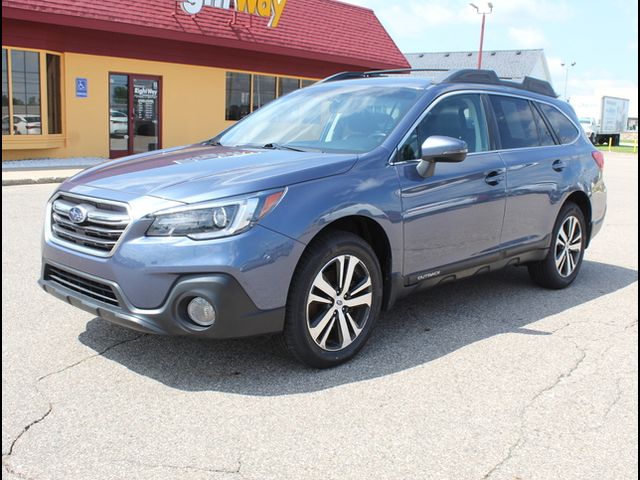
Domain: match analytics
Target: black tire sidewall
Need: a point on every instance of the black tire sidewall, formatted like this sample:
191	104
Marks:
571	209
296	333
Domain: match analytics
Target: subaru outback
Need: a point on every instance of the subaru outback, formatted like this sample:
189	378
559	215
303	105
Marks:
311	215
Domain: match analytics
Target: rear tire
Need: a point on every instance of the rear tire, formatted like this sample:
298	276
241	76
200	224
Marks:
562	264
334	300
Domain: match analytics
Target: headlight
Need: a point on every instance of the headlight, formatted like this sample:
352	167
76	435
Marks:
216	219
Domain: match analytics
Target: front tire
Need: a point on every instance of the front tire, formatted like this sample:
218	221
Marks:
334	300
562	264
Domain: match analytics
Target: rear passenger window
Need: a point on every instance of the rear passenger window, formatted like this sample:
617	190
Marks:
566	130
458	116
516	123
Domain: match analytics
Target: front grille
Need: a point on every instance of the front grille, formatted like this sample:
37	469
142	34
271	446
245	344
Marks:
89	288
100	230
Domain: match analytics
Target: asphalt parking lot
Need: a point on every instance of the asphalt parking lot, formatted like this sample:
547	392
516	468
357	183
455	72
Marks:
487	378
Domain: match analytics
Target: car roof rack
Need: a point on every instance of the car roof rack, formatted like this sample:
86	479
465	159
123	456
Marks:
490	77
375	73
482	77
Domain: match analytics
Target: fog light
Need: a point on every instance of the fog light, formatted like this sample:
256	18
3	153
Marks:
200	311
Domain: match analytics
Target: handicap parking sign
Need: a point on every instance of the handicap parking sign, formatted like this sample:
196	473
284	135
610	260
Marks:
82	87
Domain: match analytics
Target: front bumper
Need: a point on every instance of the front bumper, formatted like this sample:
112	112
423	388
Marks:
237	315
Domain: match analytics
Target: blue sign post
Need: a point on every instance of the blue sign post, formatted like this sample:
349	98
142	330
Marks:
82	87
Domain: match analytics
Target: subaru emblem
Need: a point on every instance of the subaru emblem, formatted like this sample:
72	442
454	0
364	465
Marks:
78	214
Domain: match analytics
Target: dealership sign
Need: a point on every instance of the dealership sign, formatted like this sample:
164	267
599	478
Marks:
271	9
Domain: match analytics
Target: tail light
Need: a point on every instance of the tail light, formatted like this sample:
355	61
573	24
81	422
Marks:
598	157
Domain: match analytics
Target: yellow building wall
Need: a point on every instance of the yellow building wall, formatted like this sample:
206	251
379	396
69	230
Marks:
193	105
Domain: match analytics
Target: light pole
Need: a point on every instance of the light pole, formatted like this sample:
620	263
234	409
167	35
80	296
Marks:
483	10
566	77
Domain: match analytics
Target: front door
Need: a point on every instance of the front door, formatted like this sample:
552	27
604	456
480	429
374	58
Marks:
457	213
134	114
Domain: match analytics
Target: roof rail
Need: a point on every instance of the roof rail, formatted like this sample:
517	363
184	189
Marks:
375	73
483	77
489	77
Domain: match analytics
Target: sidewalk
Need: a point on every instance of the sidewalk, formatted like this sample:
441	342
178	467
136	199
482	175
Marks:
26	172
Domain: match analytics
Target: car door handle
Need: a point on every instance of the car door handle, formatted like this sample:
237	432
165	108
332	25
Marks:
559	165
494	178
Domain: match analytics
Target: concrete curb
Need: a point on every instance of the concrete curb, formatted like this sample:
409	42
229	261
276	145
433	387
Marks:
32	181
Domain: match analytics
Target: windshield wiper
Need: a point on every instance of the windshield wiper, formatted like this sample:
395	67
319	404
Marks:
214	143
277	146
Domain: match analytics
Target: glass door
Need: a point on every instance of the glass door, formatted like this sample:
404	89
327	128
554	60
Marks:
146	96
118	115
134	114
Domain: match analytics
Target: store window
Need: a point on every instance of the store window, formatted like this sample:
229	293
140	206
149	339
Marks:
238	95
54	94
5	93
287	85
264	90
31	79
246	92
25	92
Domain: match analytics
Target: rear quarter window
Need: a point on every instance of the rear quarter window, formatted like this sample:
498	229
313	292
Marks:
565	129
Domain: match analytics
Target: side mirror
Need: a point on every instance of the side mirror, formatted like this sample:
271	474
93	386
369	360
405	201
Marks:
441	149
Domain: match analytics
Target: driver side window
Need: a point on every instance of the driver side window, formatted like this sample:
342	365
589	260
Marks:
458	116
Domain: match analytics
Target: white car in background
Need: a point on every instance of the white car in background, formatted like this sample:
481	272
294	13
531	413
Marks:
23	124
118	123
590	127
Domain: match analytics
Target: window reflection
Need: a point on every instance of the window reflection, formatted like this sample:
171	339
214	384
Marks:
287	85
5	94
247	92
264	90
118	112
238	95
25	83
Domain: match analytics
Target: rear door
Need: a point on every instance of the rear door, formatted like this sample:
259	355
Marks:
536	171
455	215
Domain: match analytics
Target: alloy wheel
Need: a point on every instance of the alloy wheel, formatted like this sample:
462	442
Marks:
568	246
339	303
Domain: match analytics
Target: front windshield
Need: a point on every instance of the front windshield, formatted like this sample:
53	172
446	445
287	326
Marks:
352	118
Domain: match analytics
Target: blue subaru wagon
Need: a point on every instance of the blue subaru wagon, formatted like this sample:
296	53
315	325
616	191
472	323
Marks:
309	216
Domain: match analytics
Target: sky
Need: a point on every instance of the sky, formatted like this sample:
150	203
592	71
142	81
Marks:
600	37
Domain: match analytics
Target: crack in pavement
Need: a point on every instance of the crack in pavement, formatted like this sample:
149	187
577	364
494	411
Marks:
613	404
98	354
522	436
26	428
6	457
187	467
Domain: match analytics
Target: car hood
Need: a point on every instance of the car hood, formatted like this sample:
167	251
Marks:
203	172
